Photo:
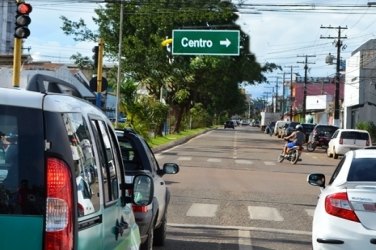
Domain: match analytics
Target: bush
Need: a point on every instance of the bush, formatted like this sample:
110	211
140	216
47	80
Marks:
370	127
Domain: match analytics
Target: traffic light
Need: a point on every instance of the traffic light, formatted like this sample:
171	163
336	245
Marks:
22	20
95	56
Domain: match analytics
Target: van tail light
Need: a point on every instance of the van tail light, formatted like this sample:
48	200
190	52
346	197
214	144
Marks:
340	140
59	210
339	205
368	143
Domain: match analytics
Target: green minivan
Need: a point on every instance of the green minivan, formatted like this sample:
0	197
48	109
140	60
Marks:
62	183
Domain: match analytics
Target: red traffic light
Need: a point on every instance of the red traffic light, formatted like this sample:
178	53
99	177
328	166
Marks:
24	8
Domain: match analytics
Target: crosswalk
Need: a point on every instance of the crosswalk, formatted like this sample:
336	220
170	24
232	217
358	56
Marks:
254	212
218	160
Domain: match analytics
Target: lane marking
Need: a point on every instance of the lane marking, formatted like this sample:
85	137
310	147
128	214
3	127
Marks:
243	162
213	160
202	210
184	158
269	163
264	213
258	229
244	240
310	212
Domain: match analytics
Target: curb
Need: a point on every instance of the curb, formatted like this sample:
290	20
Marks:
178	142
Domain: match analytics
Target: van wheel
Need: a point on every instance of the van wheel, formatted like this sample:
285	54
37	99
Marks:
148	244
160	232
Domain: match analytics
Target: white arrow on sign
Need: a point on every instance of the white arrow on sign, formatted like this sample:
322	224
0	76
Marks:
225	42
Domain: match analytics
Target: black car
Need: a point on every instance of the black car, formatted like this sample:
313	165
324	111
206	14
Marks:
307	129
289	128
229	124
139	158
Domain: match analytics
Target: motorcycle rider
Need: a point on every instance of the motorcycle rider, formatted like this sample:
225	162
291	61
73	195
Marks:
297	138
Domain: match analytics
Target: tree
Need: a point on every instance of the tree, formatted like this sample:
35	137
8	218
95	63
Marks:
212	81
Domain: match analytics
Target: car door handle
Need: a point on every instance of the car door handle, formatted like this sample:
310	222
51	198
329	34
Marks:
120	227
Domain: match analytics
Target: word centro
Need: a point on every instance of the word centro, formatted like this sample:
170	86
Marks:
185	42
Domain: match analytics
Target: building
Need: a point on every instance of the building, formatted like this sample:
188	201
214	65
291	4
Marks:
320	96
7	26
360	85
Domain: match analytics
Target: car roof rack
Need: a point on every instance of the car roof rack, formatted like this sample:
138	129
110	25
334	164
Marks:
49	84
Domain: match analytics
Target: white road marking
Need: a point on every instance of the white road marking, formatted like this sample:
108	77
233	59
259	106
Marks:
258	229
269	163
214	160
244	240
158	156
202	210
185	158
310	212
243	162
264	213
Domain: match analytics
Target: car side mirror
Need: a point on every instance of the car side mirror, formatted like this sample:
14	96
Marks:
143	190
170	168
316	179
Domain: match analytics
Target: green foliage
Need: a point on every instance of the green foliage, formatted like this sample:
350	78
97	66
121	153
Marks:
370	127
212	81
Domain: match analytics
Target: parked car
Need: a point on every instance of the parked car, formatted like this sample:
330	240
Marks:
321	135
47	199
278	128
344	140
139	158
289	128
345	216
307	129
229	124
269	128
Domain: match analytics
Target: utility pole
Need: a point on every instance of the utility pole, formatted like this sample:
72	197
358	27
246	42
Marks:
305	83
291	98
338	45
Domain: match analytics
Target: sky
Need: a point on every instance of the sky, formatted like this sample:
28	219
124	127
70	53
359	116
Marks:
281	32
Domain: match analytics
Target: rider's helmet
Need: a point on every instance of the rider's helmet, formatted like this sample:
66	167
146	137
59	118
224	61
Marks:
299	127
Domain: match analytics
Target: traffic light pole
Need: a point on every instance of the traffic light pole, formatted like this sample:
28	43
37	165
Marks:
17	61
99	72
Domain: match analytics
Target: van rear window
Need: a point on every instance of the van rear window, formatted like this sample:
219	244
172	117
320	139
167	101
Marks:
354	135
21	161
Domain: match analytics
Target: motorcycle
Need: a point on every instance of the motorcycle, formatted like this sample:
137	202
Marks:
293	155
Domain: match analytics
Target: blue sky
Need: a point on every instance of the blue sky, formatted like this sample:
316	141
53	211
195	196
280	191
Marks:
278	34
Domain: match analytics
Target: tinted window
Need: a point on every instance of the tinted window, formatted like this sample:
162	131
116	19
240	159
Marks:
108	160
86	168
130	157
329	129
354	135
362	169
22	173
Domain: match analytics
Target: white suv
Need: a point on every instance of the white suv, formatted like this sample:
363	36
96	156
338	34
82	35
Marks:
344	140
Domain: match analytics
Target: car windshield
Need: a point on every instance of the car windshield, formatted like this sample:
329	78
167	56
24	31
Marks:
362	169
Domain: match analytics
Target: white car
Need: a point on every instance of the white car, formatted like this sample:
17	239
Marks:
345	215
344	140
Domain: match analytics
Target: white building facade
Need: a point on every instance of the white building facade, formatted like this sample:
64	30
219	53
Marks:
360	85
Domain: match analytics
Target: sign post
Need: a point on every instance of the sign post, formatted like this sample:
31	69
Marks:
205	42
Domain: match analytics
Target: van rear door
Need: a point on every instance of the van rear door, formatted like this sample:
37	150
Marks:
22	176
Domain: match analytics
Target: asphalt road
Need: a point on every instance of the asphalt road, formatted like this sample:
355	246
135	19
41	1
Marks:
231	193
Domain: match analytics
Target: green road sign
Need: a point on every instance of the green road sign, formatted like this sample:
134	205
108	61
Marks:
205	42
